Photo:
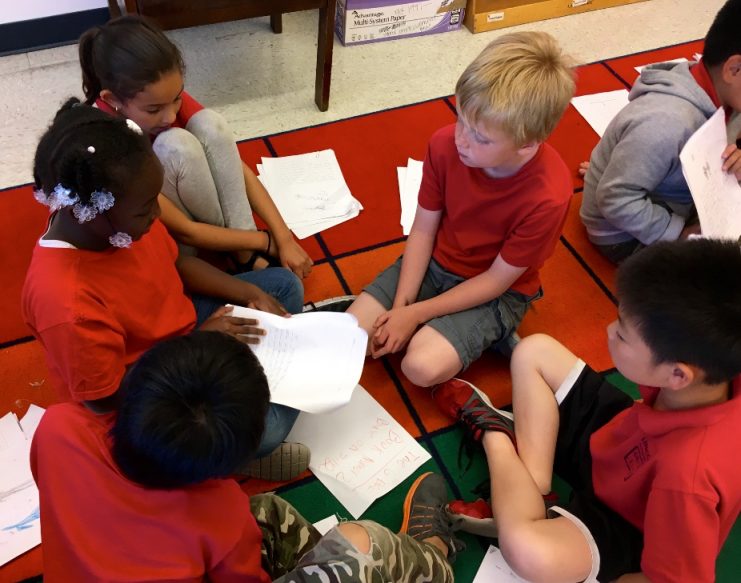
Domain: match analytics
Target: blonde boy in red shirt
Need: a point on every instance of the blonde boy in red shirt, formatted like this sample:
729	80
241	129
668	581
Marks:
492	204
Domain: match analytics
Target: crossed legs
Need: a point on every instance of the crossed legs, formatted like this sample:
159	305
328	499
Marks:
537	548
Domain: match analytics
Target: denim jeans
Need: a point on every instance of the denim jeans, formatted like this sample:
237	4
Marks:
285	287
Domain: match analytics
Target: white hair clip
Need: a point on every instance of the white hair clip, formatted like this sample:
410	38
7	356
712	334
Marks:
91	149
61	197
133	126
121	240
100	201
40	196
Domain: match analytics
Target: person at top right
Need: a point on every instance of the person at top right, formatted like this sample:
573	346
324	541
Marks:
634	191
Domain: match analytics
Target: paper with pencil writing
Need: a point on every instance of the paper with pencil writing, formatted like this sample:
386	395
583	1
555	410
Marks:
313	361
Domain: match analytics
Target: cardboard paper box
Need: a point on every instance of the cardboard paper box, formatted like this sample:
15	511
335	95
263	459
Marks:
366	21
482	15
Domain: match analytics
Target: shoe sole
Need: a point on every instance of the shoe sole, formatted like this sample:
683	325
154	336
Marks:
485	398
279	467
407	508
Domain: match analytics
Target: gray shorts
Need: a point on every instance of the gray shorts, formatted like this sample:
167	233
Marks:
471	331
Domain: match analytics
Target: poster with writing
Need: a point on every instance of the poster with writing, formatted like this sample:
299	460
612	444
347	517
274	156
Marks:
359	452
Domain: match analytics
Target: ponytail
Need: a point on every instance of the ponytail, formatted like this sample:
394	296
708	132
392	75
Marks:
90	83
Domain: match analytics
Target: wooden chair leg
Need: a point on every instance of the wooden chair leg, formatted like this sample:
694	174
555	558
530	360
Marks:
325	43
276	23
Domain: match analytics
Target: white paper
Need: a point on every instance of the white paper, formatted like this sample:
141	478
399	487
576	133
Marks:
717	194
309	191
313	361
326	524
409	193
599	109
494	569
679	60
359	452
20	529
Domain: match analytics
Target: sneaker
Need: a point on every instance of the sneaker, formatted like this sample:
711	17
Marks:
474	517
460	400
289	460
337	304
425	515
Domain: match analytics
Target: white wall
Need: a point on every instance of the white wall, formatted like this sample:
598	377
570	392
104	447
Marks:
15	10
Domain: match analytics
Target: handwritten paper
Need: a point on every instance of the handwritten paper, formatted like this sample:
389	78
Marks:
309	191
313	361
717	194
494	569
20	529
410	179
599	109
359	452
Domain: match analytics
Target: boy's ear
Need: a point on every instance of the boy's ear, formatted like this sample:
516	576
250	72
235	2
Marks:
682	375
528	148
108	96
732	69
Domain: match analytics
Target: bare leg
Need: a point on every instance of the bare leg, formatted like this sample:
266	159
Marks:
366	309
539	366
430	358
536	548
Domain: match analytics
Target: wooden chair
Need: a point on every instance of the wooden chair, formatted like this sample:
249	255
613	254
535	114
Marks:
183	13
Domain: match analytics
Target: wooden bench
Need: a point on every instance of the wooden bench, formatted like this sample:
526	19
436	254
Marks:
183	13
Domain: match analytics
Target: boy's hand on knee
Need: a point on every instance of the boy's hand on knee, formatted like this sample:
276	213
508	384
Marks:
582	170
731	157
393	330
246	330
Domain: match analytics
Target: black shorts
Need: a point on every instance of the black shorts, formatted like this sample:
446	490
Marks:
590	403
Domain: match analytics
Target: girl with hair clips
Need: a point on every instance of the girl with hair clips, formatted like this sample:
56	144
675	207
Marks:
106	280
131	69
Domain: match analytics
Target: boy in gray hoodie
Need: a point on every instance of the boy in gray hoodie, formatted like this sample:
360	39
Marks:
634	190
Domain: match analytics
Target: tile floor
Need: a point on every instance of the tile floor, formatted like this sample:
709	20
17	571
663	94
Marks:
264	83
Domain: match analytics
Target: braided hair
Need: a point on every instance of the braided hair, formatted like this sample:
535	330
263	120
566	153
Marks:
86	150
125	55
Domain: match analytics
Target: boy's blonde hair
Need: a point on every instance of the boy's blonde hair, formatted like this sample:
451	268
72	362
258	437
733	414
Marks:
521	82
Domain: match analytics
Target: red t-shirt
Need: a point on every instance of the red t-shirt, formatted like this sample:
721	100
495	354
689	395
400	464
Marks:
675	476
96	525
96	312
519	217
188	108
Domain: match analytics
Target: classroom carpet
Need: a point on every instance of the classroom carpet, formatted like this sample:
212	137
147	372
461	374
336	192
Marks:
578	304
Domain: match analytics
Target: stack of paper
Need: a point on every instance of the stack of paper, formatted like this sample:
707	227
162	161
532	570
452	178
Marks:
19	498
359	452
599	108
313	361
410	179
309	191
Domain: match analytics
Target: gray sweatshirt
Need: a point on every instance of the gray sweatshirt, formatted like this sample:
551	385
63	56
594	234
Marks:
634	188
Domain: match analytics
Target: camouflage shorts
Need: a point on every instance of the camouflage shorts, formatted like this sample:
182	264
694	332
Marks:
294	551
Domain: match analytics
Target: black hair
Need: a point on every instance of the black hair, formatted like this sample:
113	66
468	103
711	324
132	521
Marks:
684	297
63	155
125	55
192	408
723	39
